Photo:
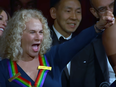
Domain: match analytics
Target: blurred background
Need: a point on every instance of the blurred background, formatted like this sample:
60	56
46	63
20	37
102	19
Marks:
44	5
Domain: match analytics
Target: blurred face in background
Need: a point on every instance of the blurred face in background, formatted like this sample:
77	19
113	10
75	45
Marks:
101	7
23	4
3	21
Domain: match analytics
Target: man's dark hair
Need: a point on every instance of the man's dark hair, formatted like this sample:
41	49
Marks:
90	1
54	3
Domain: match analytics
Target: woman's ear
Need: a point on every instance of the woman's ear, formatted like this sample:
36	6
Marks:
94	12
53	12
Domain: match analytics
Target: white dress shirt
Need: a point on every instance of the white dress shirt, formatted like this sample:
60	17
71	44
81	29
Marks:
58	36
111	72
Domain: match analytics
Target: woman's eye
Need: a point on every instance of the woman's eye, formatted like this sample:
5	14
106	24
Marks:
32	32
41	31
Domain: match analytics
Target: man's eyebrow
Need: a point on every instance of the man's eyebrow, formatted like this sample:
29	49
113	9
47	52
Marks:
79	8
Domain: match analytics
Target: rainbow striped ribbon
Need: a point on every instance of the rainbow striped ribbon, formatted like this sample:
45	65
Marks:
42	73
13	70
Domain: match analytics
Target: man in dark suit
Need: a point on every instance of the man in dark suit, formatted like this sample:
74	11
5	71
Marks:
80	72
99	8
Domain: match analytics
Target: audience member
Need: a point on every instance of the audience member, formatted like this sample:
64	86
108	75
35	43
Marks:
27	57
4	17
98	9
80	72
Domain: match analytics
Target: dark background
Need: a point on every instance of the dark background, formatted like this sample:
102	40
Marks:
44	6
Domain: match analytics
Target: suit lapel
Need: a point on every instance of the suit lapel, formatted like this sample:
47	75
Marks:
54	37
101	56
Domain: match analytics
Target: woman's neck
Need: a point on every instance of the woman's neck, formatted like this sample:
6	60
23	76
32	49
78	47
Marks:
29	58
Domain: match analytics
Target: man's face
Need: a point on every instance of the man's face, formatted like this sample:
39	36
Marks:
26	4
102	6
68	16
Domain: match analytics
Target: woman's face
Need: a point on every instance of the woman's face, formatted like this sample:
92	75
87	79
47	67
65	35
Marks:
32	38
3	21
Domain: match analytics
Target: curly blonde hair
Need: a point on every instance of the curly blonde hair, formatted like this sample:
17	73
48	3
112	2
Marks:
10	44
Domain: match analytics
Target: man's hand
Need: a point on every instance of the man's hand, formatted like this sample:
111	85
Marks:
106	20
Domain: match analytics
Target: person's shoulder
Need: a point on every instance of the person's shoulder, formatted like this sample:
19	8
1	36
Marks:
3	62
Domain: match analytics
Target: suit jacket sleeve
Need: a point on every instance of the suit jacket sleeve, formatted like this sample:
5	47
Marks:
62	54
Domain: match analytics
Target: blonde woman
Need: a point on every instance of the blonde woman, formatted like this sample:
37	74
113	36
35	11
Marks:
28	60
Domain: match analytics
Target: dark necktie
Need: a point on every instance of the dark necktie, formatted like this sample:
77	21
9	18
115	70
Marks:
61	40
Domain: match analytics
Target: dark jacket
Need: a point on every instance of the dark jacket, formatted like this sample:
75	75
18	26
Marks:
88	67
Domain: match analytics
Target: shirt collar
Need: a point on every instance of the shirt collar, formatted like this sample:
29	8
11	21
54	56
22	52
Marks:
60	35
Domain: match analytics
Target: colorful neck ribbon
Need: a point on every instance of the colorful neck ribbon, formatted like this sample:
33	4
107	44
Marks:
15	76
